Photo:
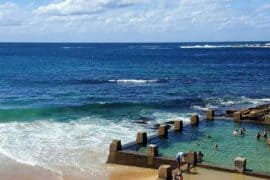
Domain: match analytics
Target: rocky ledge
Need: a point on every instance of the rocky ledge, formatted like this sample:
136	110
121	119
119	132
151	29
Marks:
260	113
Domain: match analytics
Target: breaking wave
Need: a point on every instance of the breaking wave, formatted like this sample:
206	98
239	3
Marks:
50	144
207	46
134	81
82	143
31	114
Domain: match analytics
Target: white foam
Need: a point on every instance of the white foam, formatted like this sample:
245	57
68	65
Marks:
77	47
162	117
242	101
204	108
81	144
134	81
255	101
207	46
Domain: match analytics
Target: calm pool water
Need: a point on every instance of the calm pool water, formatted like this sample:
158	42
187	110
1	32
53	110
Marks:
256	151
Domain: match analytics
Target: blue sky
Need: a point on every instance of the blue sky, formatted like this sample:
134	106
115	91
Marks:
134	20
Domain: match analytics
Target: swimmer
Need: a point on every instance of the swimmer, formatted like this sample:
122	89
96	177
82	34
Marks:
264	133
235	132
215	146
242	131
208	136
258	135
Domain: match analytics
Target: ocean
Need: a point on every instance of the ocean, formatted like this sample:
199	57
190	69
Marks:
60	102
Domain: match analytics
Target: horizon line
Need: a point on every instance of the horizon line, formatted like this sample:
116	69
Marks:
135	42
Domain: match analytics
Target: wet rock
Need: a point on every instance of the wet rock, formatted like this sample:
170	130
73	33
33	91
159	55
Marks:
267	119
230	112
259	113
156	126
169	122
143	120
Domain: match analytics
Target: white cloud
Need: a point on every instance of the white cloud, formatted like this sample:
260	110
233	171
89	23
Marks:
142	15
168	18
10	15
83	7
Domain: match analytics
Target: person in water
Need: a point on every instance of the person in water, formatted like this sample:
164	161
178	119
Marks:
199	155
235	132
264	134
208	136
258	135
215	146
242	131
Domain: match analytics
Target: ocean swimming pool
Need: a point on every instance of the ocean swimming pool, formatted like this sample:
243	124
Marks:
72	98
196	138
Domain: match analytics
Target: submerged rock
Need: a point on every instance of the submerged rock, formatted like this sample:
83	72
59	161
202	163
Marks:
143	120
156	126
169	122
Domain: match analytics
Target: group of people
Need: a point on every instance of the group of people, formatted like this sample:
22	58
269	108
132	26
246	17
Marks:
242	130
264	134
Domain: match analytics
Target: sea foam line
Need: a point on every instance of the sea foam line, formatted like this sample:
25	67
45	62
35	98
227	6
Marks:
133	81
207	46
52	145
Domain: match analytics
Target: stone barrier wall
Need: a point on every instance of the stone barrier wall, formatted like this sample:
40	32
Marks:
140	160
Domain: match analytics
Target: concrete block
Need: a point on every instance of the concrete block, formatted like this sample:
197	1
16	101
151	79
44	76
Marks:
240	164
194	120
267	119
141	138
152	150
165	172
178	125
163	131
237	116
210	114
115	146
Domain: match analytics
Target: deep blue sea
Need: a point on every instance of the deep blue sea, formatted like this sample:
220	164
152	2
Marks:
59	99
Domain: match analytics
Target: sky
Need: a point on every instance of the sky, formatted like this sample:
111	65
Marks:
134	20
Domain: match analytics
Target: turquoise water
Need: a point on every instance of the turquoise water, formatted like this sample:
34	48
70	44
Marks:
256	151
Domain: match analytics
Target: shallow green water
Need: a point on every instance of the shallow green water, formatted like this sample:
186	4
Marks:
257	152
